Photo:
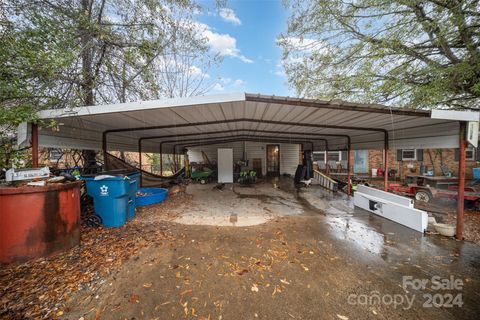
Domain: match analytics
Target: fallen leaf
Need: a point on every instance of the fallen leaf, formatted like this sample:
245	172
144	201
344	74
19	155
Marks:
186	291
134	298
242	272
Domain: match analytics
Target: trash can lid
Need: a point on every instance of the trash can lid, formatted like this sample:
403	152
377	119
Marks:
115	173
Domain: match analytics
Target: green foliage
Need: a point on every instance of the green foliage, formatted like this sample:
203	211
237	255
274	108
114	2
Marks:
419	54
63	53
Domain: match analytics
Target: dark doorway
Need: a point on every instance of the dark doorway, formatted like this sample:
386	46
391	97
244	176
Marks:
273	159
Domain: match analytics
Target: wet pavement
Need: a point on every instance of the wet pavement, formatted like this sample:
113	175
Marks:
325	260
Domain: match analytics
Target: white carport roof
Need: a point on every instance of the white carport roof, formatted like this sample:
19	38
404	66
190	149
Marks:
243	116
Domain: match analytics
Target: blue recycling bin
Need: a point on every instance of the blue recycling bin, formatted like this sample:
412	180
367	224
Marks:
133	188
113	194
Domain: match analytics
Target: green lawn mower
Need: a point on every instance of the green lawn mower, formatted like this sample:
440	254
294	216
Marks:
247	177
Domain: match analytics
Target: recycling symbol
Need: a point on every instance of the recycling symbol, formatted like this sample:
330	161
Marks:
104	190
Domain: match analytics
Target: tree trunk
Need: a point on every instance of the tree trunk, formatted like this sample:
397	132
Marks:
87	74
87	55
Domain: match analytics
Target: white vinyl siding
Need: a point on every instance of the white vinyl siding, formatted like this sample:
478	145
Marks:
195	153
289	158
256	150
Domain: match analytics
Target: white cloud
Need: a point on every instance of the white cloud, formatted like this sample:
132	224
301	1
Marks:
279	70
196	71
229	15
218	87
225	80
223	44
228	84
238	83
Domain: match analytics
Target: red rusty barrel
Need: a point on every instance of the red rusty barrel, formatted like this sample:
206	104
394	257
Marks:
38	221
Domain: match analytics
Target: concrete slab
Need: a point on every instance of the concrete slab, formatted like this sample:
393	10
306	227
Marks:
237	206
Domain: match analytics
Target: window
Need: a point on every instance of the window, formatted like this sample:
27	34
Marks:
319	156
469	154
334	156
408	154
55	154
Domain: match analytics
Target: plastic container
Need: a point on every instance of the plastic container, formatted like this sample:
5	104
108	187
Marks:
374	172
38	221
445	229
476	173
379	172
151	196
113	194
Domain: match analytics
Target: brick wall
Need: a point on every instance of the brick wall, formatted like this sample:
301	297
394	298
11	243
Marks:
375	160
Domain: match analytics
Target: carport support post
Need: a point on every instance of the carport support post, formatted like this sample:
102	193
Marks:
104	150
34	145
161	159
140	160
461	180
174	159
326	157
349	170
385	161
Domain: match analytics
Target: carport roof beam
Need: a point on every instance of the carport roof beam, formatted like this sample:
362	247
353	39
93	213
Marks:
304	134
220	141
125	123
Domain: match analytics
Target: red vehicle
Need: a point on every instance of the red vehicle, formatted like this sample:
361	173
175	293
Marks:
426	188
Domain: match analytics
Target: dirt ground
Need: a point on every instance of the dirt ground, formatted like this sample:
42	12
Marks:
265	252
314	262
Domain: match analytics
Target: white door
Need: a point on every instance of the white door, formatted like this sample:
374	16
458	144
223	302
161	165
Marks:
225	165
360	164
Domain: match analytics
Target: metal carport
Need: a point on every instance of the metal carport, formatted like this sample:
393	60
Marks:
332	125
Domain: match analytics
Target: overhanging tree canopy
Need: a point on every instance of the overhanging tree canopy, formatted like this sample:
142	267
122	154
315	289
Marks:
402	52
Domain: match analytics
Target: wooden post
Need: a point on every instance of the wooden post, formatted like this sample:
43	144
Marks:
461	180
349	170
34	145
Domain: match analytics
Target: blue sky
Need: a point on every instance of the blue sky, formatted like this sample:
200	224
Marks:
245	33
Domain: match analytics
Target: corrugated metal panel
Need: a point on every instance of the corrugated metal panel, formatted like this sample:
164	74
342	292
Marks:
83	127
